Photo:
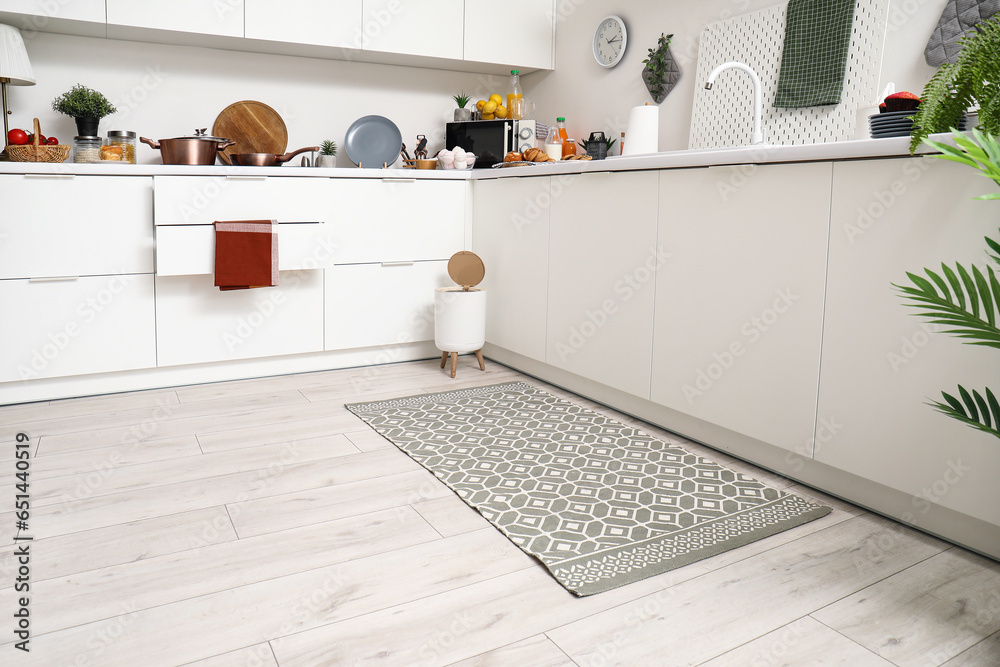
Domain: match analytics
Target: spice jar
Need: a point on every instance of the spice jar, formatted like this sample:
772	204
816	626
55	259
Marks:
126	140
86	149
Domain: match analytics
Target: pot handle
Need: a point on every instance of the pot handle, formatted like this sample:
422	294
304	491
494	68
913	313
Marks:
223	145
155	145
280	159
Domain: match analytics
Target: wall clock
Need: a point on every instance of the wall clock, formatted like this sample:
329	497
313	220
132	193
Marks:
609	41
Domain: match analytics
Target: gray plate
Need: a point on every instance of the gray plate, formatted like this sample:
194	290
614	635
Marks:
372	141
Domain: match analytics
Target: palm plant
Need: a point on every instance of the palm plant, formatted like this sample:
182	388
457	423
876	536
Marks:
968	302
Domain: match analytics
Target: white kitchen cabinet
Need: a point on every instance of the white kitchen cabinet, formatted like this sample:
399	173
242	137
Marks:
204	17
739	299
518	33
382	305
511	234
882	364
397	219
91	11
201	200
196	322
61	327
414	27
603	258
315	22
65	226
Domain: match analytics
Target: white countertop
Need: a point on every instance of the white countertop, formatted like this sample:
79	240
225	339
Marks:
840	150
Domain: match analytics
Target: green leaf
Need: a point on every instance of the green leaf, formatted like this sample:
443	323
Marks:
970	289
994	406
953	403
984	293
969	403
984	410
955	285
939	281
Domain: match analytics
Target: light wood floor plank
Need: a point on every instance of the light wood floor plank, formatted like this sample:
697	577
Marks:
802	642
252	656
985	653
535	651
450	515
239	437
90	405
930	612
369	440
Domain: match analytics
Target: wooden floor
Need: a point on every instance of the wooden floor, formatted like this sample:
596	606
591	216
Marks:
259	523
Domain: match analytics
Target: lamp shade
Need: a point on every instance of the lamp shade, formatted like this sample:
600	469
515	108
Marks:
14	63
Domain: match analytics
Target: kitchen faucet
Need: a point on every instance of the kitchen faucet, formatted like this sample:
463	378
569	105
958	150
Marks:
758	103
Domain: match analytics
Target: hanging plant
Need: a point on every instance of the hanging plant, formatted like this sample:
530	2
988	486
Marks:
661	72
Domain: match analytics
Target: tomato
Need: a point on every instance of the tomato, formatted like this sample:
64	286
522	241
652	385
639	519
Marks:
52	141
17	138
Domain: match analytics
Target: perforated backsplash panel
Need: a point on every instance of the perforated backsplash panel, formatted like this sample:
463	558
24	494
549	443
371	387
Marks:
723	116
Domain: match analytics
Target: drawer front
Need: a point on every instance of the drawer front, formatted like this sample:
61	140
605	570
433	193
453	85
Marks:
70	225
56	328
187	250
195	322
370	305
394	220
201	200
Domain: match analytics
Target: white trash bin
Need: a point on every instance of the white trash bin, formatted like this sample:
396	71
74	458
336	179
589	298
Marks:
459	323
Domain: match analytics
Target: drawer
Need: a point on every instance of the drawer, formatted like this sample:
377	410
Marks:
392	220
184	250
55	328
382	304
200	200
68	225
196	322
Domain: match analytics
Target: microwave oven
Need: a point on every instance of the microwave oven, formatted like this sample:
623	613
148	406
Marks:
490	140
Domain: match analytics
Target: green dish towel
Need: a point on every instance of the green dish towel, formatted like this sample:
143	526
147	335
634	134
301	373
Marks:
814	59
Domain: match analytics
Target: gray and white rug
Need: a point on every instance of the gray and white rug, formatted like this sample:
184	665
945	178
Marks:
599	503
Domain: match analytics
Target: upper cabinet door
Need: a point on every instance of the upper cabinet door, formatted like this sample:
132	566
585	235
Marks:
316	22
206	17
73	10
518	33
414	27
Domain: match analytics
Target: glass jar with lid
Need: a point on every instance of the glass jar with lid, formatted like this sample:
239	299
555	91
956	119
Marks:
126	140
86	149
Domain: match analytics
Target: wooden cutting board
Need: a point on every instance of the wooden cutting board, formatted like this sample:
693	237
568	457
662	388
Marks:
254	126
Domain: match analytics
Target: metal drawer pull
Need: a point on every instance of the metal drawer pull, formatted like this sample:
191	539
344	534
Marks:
246	178
397	263
62	176
53	279
399	180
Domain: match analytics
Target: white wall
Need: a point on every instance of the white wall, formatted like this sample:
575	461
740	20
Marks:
592	98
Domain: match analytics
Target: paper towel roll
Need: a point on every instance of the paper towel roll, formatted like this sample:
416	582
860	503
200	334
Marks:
643	133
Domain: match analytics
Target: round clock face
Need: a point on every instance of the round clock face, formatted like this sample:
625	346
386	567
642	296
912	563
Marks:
609	41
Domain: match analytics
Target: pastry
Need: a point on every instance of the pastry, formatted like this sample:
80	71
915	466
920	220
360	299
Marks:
903	101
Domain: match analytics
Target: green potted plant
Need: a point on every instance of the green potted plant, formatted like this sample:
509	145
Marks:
597	147
461	113
661	72
327	154
86	106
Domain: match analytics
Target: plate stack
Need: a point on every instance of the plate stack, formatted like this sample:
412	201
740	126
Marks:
895	124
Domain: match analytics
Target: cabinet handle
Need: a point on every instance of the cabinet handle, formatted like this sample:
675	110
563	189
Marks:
53	279
246	178
399	180
62	176
397	263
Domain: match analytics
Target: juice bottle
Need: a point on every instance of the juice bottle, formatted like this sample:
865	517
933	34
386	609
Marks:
568	145
515	100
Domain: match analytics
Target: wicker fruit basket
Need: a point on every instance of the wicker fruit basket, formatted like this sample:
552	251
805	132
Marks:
33	152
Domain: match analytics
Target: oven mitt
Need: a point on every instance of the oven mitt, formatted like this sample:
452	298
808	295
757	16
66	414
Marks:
958	19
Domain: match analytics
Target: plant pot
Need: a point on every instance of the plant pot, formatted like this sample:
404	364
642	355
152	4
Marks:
326	160
87	127
463	114
671	76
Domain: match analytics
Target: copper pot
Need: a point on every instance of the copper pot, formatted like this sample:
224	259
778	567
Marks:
198	149
266	159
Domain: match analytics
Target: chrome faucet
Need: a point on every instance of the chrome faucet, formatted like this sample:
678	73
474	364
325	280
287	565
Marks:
758	103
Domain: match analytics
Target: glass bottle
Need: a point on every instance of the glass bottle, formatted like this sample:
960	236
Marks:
568	145
515	99
554	142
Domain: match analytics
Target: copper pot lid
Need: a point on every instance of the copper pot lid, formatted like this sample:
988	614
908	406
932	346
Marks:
466	269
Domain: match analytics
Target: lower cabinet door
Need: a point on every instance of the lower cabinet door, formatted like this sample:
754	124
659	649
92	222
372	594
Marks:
95	324
196	322
370	305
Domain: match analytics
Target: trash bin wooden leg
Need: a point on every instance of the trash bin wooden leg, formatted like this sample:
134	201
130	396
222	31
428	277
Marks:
444	358
454	363
479	357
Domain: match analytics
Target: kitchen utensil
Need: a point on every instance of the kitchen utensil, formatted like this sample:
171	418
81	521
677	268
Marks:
254	126
34	152
198	149
373	141
266	159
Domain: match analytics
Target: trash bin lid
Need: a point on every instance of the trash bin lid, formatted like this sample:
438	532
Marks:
466	269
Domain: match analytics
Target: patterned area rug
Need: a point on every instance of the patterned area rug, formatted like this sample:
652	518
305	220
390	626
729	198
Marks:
599	503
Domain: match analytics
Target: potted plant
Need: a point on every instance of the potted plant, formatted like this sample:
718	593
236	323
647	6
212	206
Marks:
461	113
661	72
597	146
327	154
86	106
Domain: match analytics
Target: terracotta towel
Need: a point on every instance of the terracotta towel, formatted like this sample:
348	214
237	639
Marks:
246	254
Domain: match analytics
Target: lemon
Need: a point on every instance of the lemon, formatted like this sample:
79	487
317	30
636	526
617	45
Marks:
490	107
480	104
496	98
488	116
501	111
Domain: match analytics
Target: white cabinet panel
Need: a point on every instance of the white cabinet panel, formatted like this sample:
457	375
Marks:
881	364
516	32
73	10
319	22
205	17
201	200
602	263
739	300
187	250
74	327
371	305
59	226
398	220
414	27
196	322
511	235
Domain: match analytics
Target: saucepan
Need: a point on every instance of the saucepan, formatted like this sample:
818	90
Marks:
266	159
197	149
